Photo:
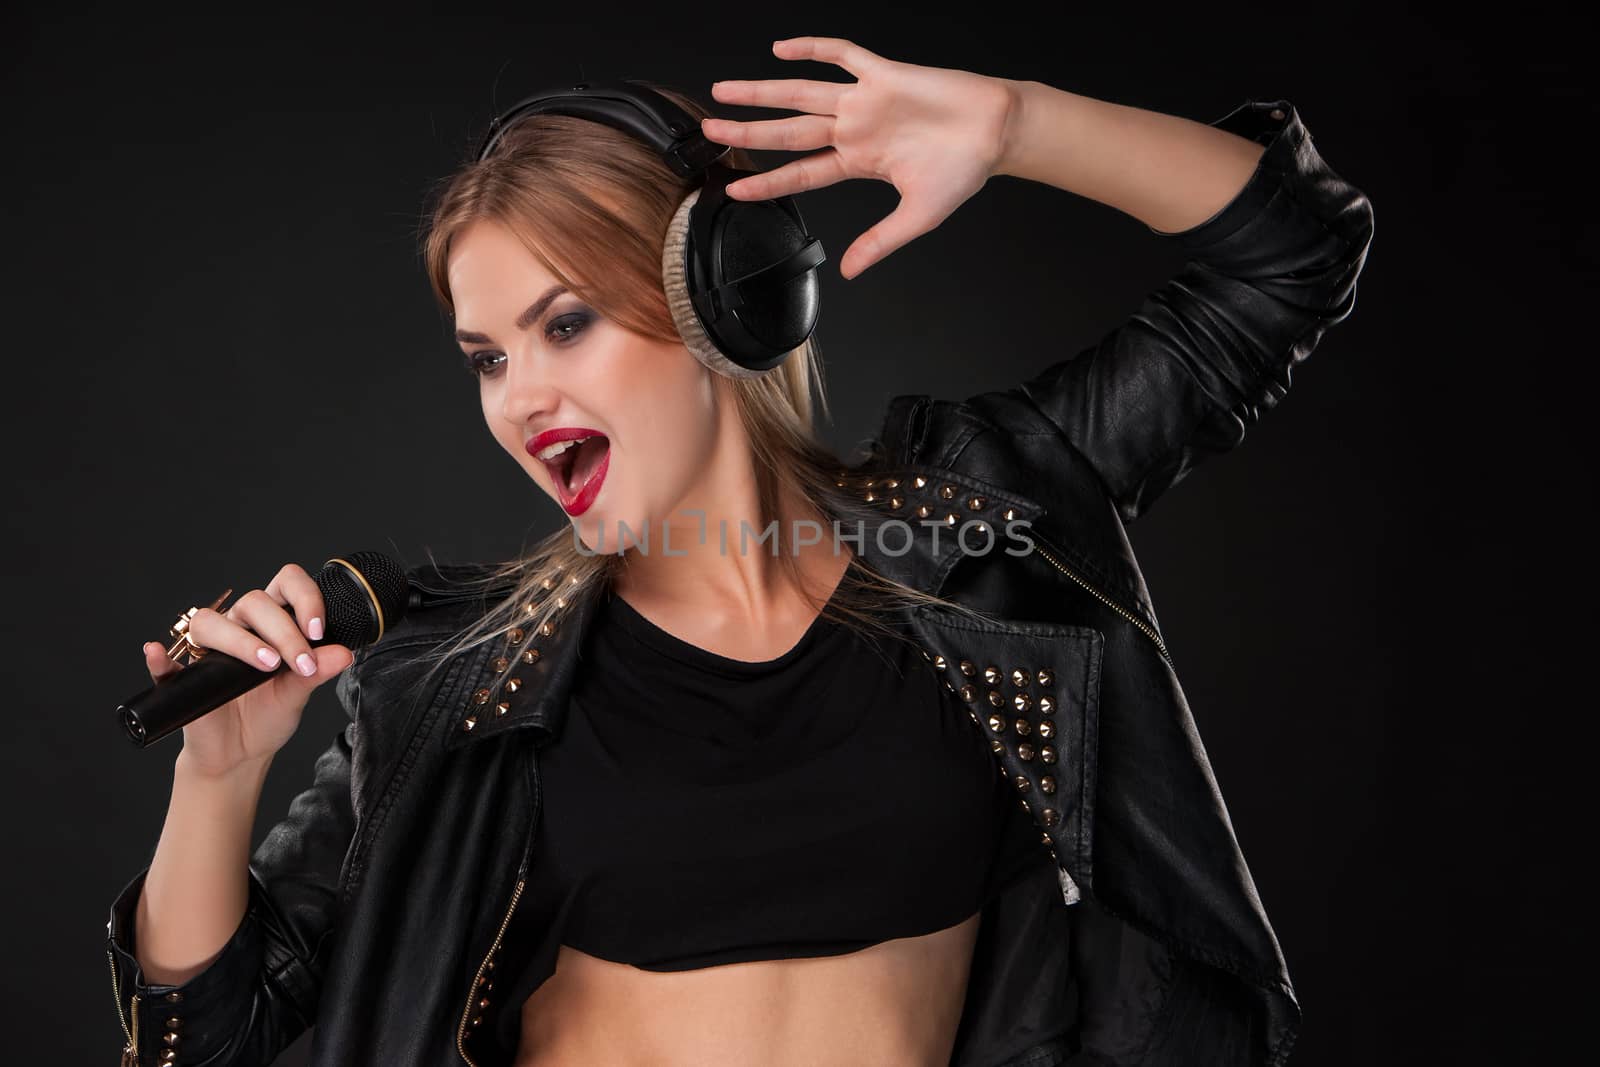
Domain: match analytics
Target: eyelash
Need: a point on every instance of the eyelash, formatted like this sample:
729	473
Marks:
475	363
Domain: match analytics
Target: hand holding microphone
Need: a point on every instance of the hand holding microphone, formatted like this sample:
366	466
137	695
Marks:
264	656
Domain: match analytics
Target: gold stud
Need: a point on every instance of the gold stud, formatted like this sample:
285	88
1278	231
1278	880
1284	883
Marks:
530	655
1025	751
1009	513
1045	839
476	1019
939	661
1047	728
1046	676
547	629
469	722
918	482
949	685
995	698
947	492
1019	677
976	503
1048	753
515	635
481	697
891	483
529	610
997	724
513	684
549	583
1022	701
1051	816
951	518
896	503
968	693
1048	784
1024	804
175	997
996	745
170	1039
967	668
501	664
870	497
923	511
501	708
1047	705
173	1022
1024	727
561	602
1022	783
991	676
839	484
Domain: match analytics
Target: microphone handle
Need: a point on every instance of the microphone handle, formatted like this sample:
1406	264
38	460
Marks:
184	696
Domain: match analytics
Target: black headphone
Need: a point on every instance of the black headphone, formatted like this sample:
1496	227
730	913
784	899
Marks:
740	275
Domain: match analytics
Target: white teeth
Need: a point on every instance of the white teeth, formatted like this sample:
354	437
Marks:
559	447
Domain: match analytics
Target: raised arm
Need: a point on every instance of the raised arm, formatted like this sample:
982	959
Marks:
1275	240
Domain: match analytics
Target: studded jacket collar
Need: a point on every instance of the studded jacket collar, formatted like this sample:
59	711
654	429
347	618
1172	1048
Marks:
379	906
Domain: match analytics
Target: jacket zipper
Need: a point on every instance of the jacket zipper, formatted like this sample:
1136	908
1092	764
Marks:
505	922
130	1053
1144	628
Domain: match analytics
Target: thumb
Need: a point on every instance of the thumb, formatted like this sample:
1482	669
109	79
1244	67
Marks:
331	660
899	228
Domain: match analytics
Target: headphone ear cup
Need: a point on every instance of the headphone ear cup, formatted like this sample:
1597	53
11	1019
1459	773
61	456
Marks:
675	280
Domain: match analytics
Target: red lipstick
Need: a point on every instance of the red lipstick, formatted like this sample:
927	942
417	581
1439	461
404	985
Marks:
575	501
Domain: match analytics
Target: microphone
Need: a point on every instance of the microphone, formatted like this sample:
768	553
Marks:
365	594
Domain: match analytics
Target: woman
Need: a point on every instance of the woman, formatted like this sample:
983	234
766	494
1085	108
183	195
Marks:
693	805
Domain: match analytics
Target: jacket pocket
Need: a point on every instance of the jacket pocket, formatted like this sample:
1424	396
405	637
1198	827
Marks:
1034	690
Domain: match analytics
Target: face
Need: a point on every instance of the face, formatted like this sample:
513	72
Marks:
548	370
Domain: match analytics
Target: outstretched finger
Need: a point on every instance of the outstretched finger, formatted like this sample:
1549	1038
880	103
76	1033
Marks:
798	134
800	175
799	94
835	50
902	226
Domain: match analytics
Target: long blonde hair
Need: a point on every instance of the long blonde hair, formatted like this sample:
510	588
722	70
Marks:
610	197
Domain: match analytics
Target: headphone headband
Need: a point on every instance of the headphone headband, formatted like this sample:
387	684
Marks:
627	105
740	276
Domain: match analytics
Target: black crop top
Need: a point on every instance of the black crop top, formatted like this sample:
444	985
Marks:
699	810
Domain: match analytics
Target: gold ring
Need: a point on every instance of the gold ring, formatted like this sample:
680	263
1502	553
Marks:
180	629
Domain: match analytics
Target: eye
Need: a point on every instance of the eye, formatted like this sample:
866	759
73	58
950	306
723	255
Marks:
479	365
564	328
561	330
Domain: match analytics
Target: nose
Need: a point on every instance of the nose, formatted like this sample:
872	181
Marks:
529	393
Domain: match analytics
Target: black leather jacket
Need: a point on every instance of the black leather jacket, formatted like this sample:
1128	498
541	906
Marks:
378	906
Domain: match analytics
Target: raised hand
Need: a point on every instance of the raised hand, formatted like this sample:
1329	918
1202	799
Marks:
258	629
936	135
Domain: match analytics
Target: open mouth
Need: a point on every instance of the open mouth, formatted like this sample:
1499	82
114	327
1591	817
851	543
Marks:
578	471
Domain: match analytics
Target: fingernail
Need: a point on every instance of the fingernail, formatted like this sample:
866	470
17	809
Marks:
307	665
314	628
267	657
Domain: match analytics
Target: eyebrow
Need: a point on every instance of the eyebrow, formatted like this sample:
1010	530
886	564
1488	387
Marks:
524	320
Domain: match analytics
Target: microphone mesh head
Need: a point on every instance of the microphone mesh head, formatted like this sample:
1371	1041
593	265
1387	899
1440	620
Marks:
366	595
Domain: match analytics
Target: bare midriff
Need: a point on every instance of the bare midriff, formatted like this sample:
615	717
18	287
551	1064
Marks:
893	1004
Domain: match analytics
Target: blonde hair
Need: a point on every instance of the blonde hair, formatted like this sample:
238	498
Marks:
611	197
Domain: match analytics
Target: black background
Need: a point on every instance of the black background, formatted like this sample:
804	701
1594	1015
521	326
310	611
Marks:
223	356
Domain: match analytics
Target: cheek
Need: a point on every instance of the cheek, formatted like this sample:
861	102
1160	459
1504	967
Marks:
672	416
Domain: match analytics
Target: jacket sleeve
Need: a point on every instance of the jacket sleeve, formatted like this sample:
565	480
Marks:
261	990
1205	354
